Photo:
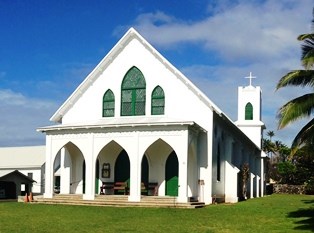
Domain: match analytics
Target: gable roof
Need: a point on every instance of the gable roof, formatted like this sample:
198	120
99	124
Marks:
22	157
131	34
16	173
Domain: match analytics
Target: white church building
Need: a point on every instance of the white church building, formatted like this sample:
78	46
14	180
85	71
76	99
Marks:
137	121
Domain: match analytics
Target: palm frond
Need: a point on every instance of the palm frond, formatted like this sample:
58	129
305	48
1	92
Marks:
297	78
295	109
305	136
307	56
305	36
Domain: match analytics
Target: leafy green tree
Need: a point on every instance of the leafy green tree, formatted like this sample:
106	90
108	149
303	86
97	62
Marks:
302	106
286	171
282	151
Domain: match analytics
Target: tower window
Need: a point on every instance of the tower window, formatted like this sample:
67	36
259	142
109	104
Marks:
248	111
133	93
158	101
108	104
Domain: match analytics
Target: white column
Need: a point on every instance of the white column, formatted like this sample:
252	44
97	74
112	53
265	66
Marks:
135	181
90	163
135	171
183	177
48	169
252	176
262	177
231	183
65	171
257	185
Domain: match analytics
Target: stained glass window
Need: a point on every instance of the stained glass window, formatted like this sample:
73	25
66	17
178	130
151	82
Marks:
158	101
108	104
133	93
248	111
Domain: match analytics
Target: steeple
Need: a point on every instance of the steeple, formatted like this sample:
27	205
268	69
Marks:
249	111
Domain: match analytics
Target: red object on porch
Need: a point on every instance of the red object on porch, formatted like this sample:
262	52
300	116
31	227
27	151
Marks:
30	199
26	198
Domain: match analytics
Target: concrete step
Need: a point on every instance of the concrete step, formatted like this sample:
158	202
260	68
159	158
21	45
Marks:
218	199
118	200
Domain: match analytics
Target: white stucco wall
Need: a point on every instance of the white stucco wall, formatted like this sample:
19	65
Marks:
187	105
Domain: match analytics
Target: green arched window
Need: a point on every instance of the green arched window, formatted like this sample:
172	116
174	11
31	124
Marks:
133	93
108	104
248	111
158	101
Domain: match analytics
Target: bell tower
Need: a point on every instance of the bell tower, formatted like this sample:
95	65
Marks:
249	111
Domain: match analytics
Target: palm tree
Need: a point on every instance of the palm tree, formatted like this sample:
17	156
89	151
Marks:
302	106
270	134
268	146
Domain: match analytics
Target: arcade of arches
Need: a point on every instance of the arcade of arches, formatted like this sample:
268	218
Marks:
159	164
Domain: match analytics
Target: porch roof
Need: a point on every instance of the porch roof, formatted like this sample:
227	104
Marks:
134	121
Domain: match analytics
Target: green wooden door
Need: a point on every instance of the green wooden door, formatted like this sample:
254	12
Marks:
172	173
84	176
145	170
97	191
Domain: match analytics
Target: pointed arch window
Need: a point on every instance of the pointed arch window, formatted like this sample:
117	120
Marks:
133	93
248	111
158	101
108	104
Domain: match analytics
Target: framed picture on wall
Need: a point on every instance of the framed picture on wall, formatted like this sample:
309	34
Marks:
106	170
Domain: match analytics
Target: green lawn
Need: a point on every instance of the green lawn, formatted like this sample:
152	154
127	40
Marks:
276	213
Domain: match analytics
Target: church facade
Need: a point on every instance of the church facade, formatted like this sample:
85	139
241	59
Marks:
138	120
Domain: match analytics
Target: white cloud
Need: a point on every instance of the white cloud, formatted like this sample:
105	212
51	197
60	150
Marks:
244	36
247	36
21	116
242	31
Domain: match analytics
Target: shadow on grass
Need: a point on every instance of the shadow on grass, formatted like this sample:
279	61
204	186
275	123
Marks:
307	215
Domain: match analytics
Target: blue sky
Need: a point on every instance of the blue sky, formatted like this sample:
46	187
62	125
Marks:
47	48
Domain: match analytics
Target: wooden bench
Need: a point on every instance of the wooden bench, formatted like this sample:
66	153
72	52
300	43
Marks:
121	187
106	186
149	188
144	188
153	188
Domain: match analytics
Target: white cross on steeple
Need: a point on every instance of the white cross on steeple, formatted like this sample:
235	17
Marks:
250	77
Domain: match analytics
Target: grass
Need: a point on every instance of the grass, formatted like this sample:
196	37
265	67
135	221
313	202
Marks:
276	213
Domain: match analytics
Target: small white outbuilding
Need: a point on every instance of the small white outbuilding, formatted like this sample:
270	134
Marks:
21	170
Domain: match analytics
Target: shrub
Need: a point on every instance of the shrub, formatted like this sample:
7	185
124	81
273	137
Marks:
244	177
287	172
309	186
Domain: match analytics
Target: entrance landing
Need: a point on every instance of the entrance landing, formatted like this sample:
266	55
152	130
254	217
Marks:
119	201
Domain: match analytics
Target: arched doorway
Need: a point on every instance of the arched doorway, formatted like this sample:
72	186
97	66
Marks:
70	165
97	177
172	173
145	171
84	176
122	168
